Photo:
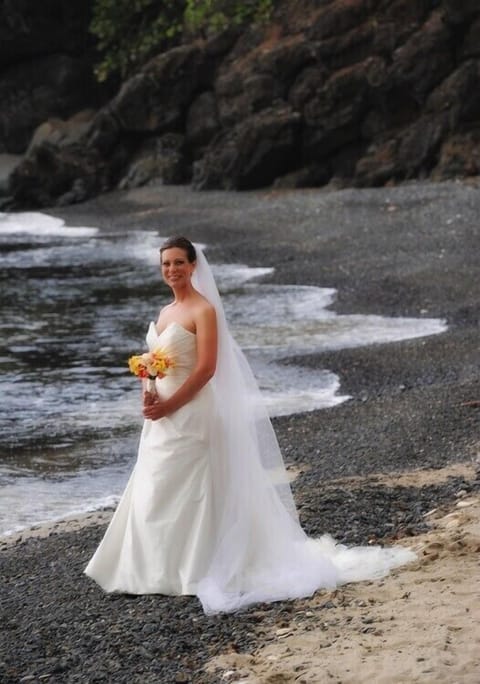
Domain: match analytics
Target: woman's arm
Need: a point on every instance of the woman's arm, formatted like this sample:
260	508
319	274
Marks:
206	334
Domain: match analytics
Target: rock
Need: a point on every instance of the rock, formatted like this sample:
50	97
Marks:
241	95
337	18
104	134
471	44
52	86
46	66
424	59
418	146
29	29
50	173
466	503
261	80
157	98
8	163
459	12
357	45
459	157
283	58
458	93
308	82
333	116
59	132
407	12
284	632
253	154
202	120
345	92
221	42
158	158
310	176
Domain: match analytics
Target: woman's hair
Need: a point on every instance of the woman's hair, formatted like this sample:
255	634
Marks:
181	243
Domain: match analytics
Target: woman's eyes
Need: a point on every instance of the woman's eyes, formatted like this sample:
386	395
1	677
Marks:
175	263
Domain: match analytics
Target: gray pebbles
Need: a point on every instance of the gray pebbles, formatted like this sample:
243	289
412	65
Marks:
411	250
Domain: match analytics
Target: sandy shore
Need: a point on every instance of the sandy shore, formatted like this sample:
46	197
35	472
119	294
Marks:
397	463
420	624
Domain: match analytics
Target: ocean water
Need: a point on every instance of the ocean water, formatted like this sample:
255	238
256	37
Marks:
76	302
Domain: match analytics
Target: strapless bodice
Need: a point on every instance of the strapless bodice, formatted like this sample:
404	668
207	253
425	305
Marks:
180	345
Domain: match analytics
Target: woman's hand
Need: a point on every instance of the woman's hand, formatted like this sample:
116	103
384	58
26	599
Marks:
154	409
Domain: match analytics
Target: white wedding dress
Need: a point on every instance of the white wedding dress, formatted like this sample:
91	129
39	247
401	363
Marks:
161	536
208	509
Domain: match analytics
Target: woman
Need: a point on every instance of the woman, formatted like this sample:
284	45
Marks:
208	509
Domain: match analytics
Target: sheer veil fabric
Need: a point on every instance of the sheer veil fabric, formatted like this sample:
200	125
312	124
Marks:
261	553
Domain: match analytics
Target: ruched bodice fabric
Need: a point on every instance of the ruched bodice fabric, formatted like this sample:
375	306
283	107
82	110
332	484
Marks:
180	345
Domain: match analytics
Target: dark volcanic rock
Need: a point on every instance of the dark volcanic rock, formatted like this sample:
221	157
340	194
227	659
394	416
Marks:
471	44
155	99
255	152
364	92
49	174
151	102
46	66
333	116
459	156
160	157
202	120
30	29
52	86
459	12
425	59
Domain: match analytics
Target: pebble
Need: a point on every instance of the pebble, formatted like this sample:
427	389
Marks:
57	621
404	415
465	504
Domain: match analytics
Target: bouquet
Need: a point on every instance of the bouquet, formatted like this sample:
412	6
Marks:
151	365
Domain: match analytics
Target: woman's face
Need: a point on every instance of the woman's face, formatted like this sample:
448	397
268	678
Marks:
176	268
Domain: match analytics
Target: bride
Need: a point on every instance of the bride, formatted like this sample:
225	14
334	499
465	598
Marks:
208	509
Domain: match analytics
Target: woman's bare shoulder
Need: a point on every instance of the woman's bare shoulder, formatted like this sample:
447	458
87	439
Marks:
203	305
205	312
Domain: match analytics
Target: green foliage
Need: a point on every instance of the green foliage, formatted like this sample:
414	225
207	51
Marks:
130	31
216	15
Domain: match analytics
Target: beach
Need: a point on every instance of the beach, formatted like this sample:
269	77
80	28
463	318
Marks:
397	463
420	624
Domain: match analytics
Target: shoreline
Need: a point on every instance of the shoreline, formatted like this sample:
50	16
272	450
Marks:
371	469
42	530
468	472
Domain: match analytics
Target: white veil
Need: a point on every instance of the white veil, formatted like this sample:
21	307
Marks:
242	409
261	552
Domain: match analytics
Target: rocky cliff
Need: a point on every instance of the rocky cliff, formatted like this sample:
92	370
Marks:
46	58
347	92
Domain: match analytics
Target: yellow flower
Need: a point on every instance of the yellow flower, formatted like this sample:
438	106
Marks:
150	364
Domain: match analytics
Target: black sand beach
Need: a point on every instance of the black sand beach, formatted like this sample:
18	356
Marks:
410	250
